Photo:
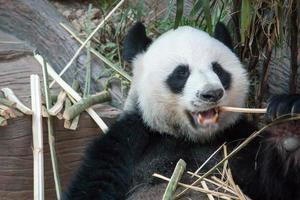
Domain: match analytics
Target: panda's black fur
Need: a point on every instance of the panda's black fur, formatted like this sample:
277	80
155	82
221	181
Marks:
120	164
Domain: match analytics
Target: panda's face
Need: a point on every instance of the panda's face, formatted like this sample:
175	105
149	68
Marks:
182	79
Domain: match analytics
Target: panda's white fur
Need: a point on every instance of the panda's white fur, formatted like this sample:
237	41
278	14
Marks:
161	109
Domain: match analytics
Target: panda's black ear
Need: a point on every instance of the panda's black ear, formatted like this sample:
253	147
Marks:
135	42
222	34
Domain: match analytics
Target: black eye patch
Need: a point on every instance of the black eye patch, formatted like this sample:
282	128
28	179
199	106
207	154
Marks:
224	76
177	79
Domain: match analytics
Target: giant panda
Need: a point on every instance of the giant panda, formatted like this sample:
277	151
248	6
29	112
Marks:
180	80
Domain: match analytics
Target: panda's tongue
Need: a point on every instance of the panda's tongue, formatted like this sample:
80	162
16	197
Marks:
208	117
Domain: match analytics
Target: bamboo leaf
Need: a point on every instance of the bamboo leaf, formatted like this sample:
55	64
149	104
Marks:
207	15
169	9
140	9
245	18
179	12
196	8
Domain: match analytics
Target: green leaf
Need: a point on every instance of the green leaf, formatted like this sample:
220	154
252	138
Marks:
207	15
140	9
179	12
196	8
169	9
245	19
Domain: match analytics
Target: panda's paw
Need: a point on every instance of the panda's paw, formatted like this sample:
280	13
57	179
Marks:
285	137
281	105
279	161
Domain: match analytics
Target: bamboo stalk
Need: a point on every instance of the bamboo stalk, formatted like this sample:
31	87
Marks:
87	40
100	56
224	185
72	93
225	163
3	121
217	194
71	124
9	94
208	159
242	110
204	185
176	176
37	132
58	106
220	183
87	84
51	138
83	104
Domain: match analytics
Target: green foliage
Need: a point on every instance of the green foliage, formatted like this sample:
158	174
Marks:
179	12
245	19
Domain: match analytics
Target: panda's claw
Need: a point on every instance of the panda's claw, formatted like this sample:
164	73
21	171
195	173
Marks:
272	107
296	107
281	105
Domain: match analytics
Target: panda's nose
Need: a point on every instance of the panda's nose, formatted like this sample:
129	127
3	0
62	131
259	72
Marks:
212	96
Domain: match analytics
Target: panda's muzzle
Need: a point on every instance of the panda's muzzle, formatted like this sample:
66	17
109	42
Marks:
206	117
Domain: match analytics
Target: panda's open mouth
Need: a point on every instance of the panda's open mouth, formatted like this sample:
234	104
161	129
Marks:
207	117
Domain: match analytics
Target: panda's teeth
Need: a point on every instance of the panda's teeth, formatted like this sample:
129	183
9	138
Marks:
208	117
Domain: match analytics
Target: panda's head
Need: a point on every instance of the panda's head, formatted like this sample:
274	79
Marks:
182	78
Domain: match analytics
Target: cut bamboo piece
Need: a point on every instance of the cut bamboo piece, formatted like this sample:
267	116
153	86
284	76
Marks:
3	121
67	123
45	112
59	116
4	114
7	102
8	110
58	106
9	94
176	176
88	39
85	103
242	110
75	123
37	133
72	93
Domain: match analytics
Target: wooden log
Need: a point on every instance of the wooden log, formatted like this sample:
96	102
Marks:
38	23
